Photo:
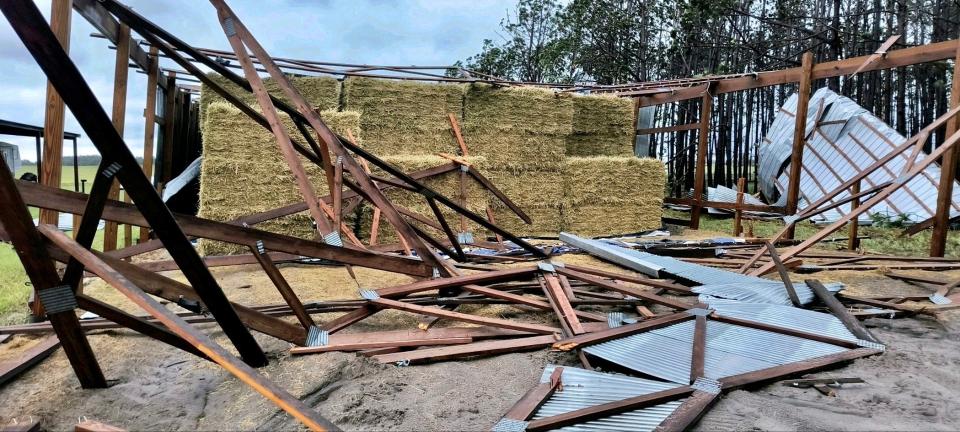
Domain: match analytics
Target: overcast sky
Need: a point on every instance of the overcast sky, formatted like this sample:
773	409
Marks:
392	32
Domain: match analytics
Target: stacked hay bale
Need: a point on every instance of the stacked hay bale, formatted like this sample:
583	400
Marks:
447	184
322	93
404	118
407	124
602	126
243	172
522	132
609	195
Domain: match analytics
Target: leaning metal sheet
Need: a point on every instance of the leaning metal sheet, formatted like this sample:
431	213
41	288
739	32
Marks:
851	140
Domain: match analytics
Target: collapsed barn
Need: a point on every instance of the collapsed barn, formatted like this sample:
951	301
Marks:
444	218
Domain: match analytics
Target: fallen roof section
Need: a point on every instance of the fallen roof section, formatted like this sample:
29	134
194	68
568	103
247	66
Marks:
843	138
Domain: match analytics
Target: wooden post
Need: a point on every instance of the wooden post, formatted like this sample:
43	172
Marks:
948	171
118	116
60	13
799	137
706	110
150	122
169	104
853	242
738	213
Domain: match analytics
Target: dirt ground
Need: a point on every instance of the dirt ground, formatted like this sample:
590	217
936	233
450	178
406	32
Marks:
913	386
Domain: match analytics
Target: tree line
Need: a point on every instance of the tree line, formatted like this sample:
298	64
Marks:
621	41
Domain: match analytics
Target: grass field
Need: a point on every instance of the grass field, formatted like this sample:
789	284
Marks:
14	285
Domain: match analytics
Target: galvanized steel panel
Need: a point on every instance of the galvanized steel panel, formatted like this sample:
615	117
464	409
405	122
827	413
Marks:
730	350
584	389
718	282
784	316
836	154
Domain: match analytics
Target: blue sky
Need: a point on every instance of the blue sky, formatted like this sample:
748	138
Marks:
394	32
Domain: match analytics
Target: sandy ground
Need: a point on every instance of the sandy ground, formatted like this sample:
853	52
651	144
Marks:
913	386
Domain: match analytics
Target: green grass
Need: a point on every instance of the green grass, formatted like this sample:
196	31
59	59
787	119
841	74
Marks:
882	240
14	285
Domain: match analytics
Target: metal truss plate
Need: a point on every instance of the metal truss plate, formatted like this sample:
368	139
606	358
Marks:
699	311
509	425
58	299
547	267
111	170
369	294
260	249
333	239
706	385
614	319
939	299
317	337
872	345
465	237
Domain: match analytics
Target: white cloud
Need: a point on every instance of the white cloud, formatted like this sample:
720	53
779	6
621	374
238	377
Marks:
396	32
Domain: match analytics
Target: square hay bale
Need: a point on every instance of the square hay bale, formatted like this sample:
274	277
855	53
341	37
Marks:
612	180
447	184
321	92
602	126
546	221
402	117
243	171
517	110
518	128
529	188
612	219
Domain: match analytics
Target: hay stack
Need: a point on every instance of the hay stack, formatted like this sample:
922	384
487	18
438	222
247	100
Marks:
602	126
447	184
243	172
321	92
400	117
518	129
612	195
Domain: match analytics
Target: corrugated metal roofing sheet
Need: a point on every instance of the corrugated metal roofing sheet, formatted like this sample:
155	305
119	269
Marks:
584	389
719	282
730	350
783	316
838	151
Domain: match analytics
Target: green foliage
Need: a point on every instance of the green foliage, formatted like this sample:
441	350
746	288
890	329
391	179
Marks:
884	220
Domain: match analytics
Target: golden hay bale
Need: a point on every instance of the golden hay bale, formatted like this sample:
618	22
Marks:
243	171
547	221
602	125
447	184
229	133
612	219
404	117
518	128
529	188
323	93
519	153
516	110
612	180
